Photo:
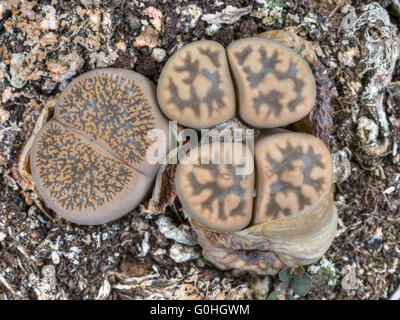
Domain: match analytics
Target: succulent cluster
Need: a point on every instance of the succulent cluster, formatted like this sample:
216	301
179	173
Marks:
290	217
274	86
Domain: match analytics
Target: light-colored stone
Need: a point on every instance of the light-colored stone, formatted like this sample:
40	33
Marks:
158	54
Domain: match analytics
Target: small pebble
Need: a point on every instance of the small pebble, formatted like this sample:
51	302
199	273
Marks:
55	258
158	54
160	252
4	115
180	253
389	190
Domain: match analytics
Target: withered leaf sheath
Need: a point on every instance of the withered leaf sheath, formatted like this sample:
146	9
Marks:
89	161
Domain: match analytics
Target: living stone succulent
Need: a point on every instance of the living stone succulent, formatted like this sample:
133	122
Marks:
88	162
274	84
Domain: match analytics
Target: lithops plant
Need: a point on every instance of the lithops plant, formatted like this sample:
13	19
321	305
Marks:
319	121
195	87
274	84
293	215
89	161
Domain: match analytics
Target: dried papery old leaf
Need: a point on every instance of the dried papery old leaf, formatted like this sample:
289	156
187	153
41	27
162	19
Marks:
231	126
22	169
164	191
292	40
378	42
227	250
266	248
23	175
319	121
229	15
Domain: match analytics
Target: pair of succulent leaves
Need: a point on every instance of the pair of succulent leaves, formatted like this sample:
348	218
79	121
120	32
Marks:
271	84
89	163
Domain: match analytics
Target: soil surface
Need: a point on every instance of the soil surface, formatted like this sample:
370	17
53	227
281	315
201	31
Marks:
44	44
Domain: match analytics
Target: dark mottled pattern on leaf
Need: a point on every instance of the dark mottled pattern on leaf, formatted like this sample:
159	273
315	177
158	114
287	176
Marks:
242	56
269	66
270	99
214	97
111	108
77	176
213	55
219	193
290	154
